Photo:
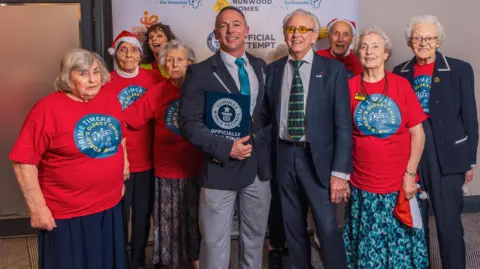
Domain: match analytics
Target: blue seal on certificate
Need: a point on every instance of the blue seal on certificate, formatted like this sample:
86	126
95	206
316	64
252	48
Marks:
227	114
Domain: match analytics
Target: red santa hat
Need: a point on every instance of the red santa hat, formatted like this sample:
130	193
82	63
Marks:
351	23
408	211
125	36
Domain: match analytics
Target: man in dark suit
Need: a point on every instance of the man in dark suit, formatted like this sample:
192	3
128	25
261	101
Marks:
232	170
309	108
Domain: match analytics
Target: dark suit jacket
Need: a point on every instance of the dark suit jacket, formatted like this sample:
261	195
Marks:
453	111
328	120
219	170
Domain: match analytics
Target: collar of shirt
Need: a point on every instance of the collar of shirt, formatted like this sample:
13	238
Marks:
229	60
308	58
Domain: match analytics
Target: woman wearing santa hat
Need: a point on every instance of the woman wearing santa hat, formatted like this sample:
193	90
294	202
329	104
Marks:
340	37
445	88
128	83
157	35
387	145
176	162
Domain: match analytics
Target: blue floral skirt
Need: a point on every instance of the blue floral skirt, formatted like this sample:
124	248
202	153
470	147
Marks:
374	238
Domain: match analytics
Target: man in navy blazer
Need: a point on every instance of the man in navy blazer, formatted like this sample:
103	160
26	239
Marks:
309	107
232	170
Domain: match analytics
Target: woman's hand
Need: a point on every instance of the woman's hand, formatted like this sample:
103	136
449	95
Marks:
126	170
42	219
409	186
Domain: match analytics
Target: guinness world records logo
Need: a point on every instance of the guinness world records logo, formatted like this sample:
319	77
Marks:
227	113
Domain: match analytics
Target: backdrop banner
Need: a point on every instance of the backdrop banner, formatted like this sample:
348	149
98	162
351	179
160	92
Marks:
193	21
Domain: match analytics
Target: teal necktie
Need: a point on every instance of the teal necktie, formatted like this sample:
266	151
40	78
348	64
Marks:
296	106
243	77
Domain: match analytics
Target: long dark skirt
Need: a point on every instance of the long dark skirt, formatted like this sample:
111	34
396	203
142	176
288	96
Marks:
94	241
175	212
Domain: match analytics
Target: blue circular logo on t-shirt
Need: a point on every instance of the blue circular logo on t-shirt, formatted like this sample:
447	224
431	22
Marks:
171	117
378	116
350	74
422	85
98	135
129	95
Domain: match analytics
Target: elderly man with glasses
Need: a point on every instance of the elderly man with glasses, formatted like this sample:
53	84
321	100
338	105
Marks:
309	108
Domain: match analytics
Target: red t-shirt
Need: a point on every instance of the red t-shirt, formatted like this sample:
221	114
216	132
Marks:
77	149
350	61
139	142
173	156
381	141
422	82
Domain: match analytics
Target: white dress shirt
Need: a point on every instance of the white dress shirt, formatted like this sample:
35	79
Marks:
305	72
232	67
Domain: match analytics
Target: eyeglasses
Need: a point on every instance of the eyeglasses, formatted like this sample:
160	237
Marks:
302	29
419	39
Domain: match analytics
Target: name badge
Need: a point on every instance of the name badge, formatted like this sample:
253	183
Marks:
360	96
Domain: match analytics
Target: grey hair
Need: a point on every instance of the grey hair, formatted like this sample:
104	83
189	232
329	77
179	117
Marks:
372	30
425	19
316	23
175	44
79	60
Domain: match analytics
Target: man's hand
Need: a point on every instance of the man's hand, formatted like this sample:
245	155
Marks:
469	176
42	219
339	189
409	186
239	150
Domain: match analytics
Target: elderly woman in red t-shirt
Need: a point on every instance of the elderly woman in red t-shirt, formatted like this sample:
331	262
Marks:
128	83
176	163
70	163
388	142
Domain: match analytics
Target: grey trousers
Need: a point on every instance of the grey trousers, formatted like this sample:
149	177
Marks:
216	213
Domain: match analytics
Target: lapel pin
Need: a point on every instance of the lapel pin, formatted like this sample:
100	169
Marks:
319	75
437	79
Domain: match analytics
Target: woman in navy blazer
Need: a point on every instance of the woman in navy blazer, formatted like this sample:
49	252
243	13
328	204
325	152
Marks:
445	89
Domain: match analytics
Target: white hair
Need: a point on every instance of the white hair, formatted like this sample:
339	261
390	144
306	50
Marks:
175	44
372	30
316	23
79	60
425	19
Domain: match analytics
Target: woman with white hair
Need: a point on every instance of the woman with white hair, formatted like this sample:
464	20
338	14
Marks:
69	160
445	88
176	163
387	144
128	83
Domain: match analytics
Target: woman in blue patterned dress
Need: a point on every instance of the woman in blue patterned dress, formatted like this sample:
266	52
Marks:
388	141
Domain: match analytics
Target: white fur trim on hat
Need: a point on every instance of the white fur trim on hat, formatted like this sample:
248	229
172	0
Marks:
129	39
352	25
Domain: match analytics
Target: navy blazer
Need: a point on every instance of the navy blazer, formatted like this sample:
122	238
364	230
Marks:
453	111
219	171
328	122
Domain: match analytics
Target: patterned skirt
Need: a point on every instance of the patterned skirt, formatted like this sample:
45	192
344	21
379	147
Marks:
176	233
374	238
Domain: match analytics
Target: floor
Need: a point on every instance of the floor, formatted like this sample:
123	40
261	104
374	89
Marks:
21	252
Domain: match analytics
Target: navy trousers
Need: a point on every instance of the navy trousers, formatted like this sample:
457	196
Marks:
299	187
446	198
139	197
